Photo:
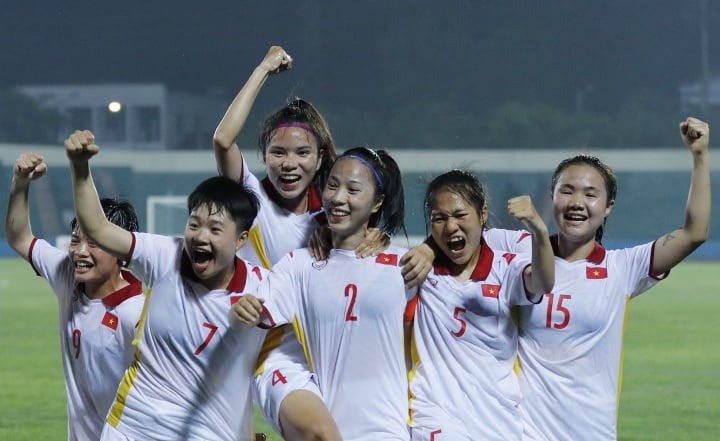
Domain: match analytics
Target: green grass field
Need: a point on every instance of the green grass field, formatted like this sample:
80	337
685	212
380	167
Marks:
671	386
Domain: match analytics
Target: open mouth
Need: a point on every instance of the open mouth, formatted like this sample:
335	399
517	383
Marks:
83	265
574	217
289	179
456	244
201	256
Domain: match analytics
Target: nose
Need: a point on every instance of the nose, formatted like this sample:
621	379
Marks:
289	162
451	225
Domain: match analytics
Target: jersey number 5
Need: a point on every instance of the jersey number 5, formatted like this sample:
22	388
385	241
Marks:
559	308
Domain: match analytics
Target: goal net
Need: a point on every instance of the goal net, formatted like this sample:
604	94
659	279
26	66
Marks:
166	215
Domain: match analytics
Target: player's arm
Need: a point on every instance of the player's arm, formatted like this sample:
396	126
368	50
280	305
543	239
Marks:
227	152
417	262
673	247
18	233
80	147
539	277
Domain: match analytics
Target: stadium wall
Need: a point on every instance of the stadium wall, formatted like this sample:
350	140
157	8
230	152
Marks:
651	197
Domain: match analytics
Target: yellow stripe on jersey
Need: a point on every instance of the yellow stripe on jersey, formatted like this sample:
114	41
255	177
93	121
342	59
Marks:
126	384
415	364
257	244
116	410
272	341
622	355
303	341
141	321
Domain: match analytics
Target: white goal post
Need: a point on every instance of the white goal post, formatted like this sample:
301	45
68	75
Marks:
166	215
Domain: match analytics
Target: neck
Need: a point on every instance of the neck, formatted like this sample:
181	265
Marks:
349	242
462	272
298	205
99	291
573	251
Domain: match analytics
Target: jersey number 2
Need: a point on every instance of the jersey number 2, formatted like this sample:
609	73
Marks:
351	291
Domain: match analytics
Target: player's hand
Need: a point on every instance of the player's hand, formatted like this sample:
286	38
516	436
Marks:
80	146
522	209
248	309
29	166
695	134
374	242
277	60
416	264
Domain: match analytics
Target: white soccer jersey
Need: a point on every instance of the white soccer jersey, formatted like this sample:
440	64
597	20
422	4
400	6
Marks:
462	385
514	241
192	373
95	336
348	312
276	231
571	345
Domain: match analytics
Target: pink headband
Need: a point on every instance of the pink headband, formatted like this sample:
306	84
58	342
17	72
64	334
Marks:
298	125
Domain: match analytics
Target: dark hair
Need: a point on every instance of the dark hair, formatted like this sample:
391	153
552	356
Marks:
118	211
303	112
224	194
606	172
390	218
463	183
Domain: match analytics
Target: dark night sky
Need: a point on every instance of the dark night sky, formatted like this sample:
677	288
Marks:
367	54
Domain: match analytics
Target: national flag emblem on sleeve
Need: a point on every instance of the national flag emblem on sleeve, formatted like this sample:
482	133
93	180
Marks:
489	290
110	320
596	272
387	259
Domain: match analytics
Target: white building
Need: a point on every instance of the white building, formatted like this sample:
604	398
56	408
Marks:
133	116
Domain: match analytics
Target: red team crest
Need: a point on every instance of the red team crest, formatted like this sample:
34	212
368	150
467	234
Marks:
596	272
489	290
387	259
110	320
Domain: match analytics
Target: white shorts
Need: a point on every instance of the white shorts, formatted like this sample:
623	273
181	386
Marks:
285	370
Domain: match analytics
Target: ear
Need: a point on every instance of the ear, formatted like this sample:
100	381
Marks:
610	205
241	239
378	203
484	216
321	155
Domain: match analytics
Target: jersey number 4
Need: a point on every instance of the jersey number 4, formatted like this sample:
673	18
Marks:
559	307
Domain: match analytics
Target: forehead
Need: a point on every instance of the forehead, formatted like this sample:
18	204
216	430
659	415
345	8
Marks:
581	175
211	213
447	200
350	169
292	137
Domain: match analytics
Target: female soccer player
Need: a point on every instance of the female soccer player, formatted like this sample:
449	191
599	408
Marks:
192	373
100	303
348	311
298	151
465	341
571	343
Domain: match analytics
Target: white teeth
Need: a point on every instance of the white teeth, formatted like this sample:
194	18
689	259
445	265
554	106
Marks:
454	239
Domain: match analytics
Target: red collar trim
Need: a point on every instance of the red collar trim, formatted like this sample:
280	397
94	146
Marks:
482	267
596	256
133	289
314	199
237	283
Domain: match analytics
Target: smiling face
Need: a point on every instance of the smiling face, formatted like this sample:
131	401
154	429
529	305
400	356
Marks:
457	227
580	203
93	266
349	199
211	241
291	160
